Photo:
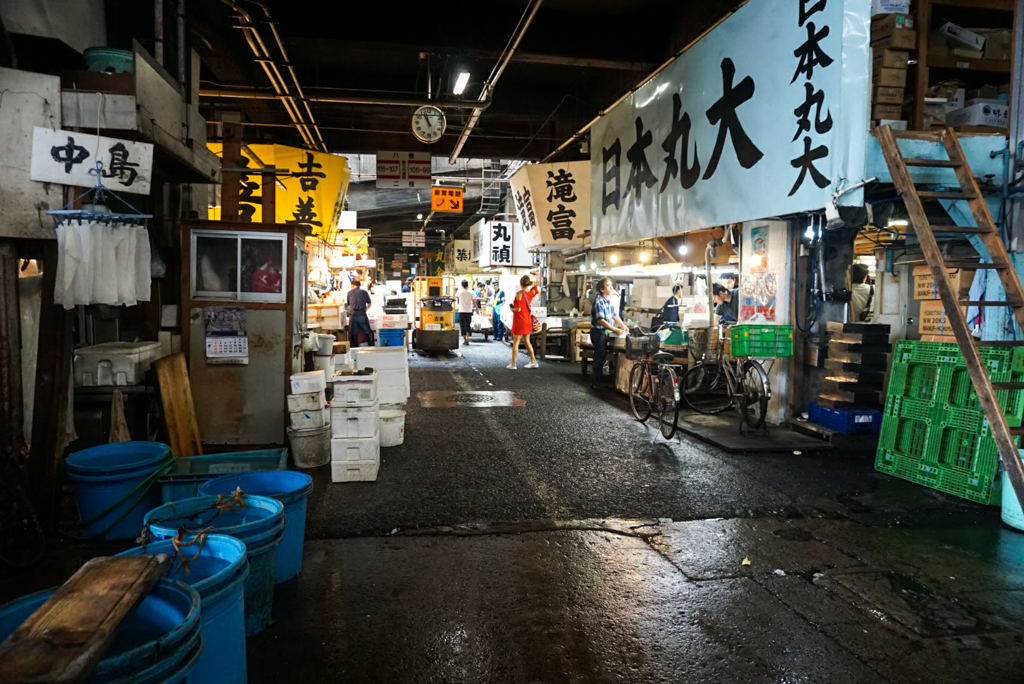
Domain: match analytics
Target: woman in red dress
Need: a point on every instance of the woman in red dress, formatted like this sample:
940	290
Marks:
522	320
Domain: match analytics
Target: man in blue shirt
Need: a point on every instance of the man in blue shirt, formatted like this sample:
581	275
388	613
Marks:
604	320
408	285
497	300
359	329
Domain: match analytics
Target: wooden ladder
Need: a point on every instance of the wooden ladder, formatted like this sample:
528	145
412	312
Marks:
986	231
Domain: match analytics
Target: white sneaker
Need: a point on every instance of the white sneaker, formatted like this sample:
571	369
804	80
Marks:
533	365
510	367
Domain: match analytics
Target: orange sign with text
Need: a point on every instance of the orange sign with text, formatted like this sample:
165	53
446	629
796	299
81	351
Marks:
446	199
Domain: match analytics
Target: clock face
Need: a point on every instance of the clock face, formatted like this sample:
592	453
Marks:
428	124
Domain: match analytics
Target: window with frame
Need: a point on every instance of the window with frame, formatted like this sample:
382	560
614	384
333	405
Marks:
240	266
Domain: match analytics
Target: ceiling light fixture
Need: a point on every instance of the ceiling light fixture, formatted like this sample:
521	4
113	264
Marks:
593	265
461	82
644	256
683	249
419	217
614	258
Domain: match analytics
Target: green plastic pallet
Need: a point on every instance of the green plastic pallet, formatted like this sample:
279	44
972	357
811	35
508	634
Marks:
761	341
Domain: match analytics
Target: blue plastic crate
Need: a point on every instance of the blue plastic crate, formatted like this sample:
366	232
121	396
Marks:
392	337
846	421
183	479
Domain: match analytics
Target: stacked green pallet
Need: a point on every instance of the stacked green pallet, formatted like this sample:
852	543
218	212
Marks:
934	431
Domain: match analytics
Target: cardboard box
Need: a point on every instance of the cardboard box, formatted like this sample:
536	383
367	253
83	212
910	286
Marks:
889	78
886	111
890	59
889	6
966	53
998	43
981	114
933	320
925	287
985	92
885	95
958	35
937	45
894	124
894	31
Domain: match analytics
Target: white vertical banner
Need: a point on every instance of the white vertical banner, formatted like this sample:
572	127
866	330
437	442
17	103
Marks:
553	203
457	257
764	116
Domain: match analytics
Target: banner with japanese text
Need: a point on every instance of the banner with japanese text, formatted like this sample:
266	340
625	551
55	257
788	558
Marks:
312	193
456	257
766	115
501	243
553	203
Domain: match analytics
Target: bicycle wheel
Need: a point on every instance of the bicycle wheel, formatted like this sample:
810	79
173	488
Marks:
640	392
668	406
705	389
754	386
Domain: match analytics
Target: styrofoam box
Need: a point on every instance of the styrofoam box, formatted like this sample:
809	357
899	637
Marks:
348	422
312	381
356	449
306	420
981	114
664	291
354	390
394	321
354	471
307	402
114	363
890	7
393	395
381	358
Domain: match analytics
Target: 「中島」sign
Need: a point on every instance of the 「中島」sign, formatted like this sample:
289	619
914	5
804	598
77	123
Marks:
71	158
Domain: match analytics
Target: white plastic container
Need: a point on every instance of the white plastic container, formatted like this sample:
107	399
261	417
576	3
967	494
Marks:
354	471
114	363
354	390
311	381
361	449
392	427
325	363
307	420
311	448
393	386
307	402
353	422
1011	511
381	358
393	321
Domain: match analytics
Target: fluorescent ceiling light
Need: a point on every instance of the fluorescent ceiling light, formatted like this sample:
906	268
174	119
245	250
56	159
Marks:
419	217
461	82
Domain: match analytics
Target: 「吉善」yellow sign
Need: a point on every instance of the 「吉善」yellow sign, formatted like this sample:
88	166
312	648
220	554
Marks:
313	192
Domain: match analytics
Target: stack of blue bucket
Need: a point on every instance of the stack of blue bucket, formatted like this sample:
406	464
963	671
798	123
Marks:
114	486
160	642
259	524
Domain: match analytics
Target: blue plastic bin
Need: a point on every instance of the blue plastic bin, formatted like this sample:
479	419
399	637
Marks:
391	337
182	481
846	421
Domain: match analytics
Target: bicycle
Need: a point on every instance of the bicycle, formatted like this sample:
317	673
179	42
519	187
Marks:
716	383
653	382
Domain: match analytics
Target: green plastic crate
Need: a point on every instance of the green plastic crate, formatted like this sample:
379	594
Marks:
761	341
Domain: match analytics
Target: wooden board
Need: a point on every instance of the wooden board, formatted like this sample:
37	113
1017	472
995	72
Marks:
64	639
179	411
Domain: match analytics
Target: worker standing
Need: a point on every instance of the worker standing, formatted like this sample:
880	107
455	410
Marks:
497	301
359	329
467	306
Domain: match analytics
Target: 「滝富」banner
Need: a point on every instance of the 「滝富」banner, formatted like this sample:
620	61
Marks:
553	203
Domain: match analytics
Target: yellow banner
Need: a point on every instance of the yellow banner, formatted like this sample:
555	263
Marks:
312	194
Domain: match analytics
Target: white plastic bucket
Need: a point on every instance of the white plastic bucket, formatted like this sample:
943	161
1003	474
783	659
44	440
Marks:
392	427
325	345
1011	513
324	362
311	448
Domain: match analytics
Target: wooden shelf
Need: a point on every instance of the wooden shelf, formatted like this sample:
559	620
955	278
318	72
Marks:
1004	5
1001	66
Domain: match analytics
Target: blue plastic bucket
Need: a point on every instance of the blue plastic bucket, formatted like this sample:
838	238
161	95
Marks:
159	642
111	488
291	489
1011	512
219	575
260	524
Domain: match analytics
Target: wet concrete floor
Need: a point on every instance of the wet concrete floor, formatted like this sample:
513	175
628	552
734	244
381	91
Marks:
561	541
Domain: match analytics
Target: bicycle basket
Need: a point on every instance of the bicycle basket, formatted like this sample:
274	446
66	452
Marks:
639	346
701	342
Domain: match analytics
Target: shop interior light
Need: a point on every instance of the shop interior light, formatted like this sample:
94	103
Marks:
593	265
644	256
897	223
684	249
419	217
461	82
583	267
614	258
809	233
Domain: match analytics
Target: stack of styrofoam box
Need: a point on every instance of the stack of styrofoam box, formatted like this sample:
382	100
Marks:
355	427
307	402
394	321
392	366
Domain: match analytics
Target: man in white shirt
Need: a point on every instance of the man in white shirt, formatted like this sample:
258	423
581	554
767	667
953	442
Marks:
466	300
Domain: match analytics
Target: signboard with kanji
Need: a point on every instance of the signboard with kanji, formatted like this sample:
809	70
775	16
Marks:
70	158
411	238
446	199
403	170
457	257
553	203
501	243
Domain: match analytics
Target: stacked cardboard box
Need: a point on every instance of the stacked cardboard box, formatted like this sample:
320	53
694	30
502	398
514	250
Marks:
855	366
893	39
355	427
932	319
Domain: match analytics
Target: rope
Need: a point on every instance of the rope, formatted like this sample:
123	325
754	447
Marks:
178	544
235	499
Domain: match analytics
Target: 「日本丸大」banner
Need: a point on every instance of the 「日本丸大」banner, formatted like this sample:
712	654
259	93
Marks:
766	115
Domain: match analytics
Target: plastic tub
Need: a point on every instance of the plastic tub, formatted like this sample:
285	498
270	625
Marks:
392	427
260	524
111	488
218	575
183	478
159	641
292	489
110	60
311	448
1011	512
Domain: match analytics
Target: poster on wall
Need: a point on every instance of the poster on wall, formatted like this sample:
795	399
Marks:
764	116
553	203
757	297
759	249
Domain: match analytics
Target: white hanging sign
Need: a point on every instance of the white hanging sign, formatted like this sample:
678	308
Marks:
766	115
69	158
502	243
553	203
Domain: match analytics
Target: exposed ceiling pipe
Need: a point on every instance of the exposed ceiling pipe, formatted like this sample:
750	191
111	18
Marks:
247	93
492	80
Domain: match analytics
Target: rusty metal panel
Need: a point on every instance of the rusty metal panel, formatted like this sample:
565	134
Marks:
241	404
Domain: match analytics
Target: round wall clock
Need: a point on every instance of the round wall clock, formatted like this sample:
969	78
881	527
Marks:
428	124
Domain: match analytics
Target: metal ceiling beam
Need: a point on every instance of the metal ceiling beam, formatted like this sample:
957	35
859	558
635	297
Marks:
248	93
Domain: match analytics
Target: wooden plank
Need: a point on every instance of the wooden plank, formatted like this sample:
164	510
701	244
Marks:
12	439
932	163
944	194
861	339
179	410
66	637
